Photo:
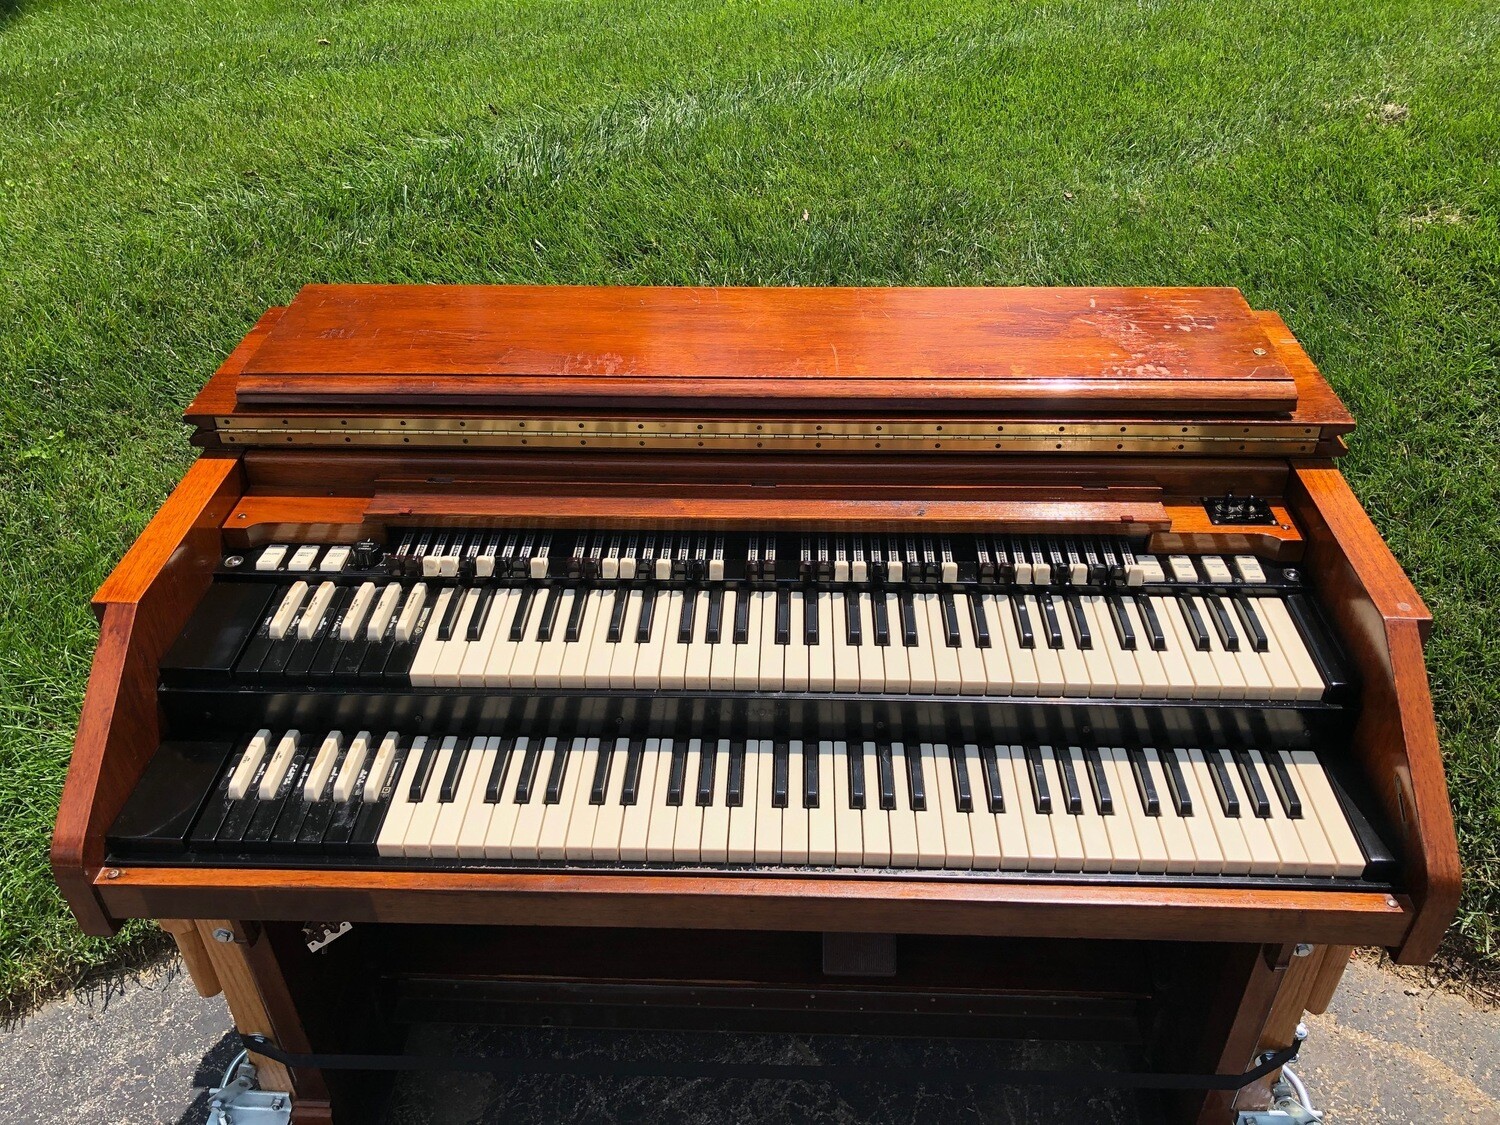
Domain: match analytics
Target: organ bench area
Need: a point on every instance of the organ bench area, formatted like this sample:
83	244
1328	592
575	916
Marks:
1004	663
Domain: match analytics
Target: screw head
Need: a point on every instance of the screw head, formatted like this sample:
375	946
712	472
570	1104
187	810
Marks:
234	560
112	873
224	936
1301	949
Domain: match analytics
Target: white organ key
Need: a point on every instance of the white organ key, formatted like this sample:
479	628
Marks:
354	760
476	818
553	653
1041	853
1148	837
424	813
1215	569
244	772
687	840
1155	683
380	769
848	835
622	658
822	830
1321	861
771	664
894	654
1014	854
797	652
1075	672
846	657
1181	858
1233	850
1097	657
958	842
578	840
767	815
271	558
1180	680
586	662
303	558
1226	667
1283	829
476	658
525	840
423	670
699	653
972	673
746	656
1019	662
527	650
1124	669
552	837
1125	852
398	814
650	654
1066	837
281	760
322	767
1274	616
722	656
929	818
713	844
467	792
820	657
905	847
500	834
744	818
609	818
794	818
1263	857
672	674
946	678
317	607
1249	568
1093	837
354	613
385	609
451	657
281	620
919	656
1208	853
1049	668
411	612
334	559
984	834
1284	683
637	820
502	651
1204	678
869	658
875	822
1317	793
1259	682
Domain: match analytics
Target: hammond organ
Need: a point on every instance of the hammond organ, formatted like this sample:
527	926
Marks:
696	642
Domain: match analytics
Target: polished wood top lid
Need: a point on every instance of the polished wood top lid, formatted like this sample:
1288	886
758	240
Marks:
1134	352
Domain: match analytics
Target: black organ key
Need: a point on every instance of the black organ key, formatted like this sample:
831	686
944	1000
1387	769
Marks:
811	795
886	769
685	620
548	621
494	785
1050	625
1291	801
810	617
558	772
599	785
1104	799
630	784
742	617
1081	632
454	771
1072	794
648	606
1145	783
617	615
734	784
783	617
530	765
677	772
1260	802
1152	623
708	757
856	757
780	779
1123	628
423	774
1229	798
994	791
908	619
1251	621
979	620
881	619
450	614
523	611
958	757
1182	799
1041	792
481	615
1024	635
950	620
916	776
575	615
1194	621
1228	637
713	628
853	626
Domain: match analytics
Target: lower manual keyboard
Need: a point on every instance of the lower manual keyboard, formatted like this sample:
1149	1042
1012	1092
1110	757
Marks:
382	798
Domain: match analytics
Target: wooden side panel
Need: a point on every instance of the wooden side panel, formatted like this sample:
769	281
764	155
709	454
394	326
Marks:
1383	622
142	606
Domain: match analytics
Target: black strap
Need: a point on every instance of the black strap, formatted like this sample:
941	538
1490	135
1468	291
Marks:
596	1068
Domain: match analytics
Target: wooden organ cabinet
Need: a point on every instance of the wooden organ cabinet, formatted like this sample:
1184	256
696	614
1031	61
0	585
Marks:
611	653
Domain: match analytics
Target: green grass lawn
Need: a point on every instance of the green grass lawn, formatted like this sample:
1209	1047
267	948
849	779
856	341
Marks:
168	170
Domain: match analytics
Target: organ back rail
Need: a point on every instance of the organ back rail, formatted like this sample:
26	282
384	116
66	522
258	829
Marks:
1002	425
